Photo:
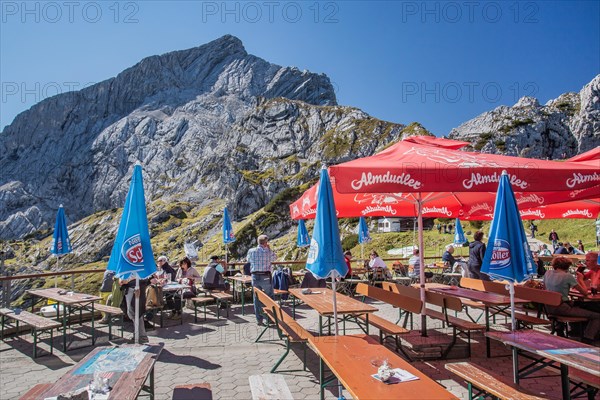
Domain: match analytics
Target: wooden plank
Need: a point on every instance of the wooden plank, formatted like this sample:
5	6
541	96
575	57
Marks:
321	300
67	299
488	381
36	391
354	358
407	303
108	309
269	387
28	318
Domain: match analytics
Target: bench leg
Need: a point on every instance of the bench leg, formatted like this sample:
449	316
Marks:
34	342
51	341
110	317
262	333
287	350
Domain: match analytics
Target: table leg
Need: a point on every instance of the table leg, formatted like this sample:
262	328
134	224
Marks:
487	329
93	331
321	377
564	381
320	325
64	323
243	296
152	383
515	354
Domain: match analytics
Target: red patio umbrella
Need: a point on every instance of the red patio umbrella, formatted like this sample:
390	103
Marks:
423	169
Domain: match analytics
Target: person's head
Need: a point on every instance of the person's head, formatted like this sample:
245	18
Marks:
579	241
561	263
450	249
560	244
214	258
374	254
545	246
535	255
591	260
263	240
185	263
162	260
348	254
567	244
416	252
478	236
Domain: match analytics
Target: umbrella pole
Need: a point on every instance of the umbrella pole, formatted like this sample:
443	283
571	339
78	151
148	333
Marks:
57	269
335	319
226	264
136	322
422	264
511	290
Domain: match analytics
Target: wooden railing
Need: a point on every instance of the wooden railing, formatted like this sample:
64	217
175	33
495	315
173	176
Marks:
7	280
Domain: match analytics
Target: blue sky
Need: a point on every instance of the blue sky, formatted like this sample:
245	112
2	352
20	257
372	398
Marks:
438	63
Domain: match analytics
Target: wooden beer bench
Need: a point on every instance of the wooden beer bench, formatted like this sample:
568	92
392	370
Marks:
287	328
37	323
388	329
487	383
111	312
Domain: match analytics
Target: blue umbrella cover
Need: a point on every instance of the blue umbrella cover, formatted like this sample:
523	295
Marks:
302	240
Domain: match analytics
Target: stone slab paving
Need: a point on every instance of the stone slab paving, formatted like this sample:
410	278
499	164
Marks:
223	353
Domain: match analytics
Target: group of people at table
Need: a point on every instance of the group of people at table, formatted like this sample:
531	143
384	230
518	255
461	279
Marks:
260	261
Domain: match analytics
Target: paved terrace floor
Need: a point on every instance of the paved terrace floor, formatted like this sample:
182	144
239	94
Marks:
223	353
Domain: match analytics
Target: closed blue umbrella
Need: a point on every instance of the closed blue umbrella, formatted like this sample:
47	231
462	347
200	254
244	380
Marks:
228	235
325	256
61	244
459	235
302	240
131	254
507	255
363	235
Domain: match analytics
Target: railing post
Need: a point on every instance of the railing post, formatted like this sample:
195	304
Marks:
5	284
72	282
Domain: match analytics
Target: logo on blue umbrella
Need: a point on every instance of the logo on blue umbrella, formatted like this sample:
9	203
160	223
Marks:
132	251
507	255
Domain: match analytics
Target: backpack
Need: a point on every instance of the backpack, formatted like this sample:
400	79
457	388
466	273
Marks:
154	297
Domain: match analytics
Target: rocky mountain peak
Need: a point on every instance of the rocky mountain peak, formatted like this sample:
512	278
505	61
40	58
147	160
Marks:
562	128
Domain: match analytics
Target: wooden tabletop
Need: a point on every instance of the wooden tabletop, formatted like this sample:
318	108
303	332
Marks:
565	351
126	367
590	297
67	298
321	300
492	299
353	359
431	285
242	278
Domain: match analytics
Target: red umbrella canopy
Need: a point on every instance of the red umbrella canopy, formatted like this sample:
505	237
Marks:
463	205
591	155
413	167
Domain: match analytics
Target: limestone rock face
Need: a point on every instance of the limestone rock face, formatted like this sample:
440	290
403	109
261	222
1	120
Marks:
562	128
208	122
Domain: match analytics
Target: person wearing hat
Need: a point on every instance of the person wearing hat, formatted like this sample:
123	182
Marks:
164	272
261	258
213	275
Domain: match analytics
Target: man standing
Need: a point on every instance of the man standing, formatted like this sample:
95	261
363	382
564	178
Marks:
260	259
476	254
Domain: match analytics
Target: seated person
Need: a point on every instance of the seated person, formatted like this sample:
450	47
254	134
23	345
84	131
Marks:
164	272
541	269
560	280
377	265
348	259
414	266
213	275
545	252
561	249
186	275
311	281
448	258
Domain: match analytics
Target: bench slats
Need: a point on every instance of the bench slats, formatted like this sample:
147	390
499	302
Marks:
458	322
269	387
108	309
488	382
30	319
384	325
